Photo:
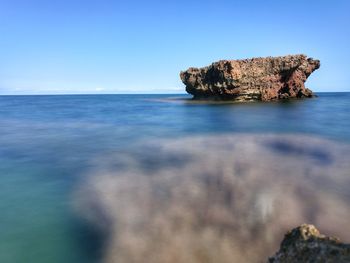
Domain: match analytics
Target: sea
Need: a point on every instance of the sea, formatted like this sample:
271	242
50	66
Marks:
67	161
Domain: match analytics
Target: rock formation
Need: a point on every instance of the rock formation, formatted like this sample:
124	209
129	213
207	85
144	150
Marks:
263	79
214	199
306	244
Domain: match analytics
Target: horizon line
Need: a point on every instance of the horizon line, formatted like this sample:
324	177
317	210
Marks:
85	94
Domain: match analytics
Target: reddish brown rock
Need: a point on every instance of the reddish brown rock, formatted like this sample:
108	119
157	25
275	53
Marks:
263	79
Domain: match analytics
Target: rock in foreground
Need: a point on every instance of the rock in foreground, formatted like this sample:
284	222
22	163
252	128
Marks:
257	79
215	199
306	244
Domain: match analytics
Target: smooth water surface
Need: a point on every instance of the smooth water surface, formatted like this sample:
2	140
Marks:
49	143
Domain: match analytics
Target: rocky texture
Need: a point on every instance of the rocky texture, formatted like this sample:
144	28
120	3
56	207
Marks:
263	79
306	244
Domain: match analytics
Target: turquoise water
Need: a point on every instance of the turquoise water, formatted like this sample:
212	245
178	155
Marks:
48	144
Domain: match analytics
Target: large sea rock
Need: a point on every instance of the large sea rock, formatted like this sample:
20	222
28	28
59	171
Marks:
256	79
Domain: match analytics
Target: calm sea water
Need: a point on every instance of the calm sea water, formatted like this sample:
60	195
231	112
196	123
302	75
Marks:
47	144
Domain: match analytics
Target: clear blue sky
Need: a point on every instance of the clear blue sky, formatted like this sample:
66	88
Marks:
71	46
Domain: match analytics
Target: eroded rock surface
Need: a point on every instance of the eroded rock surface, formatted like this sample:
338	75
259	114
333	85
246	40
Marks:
263	79
306	244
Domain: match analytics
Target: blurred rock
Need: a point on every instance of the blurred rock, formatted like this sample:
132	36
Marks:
261	79
306	244
207	199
